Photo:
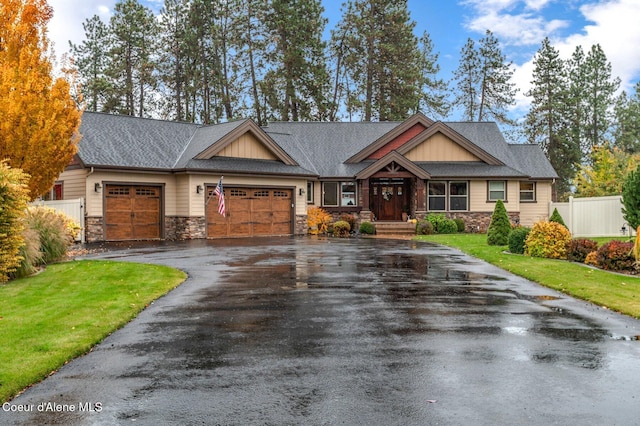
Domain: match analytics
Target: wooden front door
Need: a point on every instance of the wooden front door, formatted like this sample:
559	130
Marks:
132	212
250	212
389	198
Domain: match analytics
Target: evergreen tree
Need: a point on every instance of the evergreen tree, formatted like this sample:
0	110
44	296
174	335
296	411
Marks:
556	217
296	86
576	100
433	93
497	93
631	199
500	227
381	59
600	89
92	62
626	132
545	123
134	30
468	78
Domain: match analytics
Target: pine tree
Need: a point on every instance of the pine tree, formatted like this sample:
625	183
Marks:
92	61
546	123
626	132
468	78
497	92
380	59
433	93
39	119
556	217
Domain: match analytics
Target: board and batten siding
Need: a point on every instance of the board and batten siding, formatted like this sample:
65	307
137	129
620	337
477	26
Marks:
247	146
440	148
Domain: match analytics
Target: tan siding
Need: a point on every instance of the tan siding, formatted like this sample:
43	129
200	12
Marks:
73	183
185	195
247	146
479	195
440	148
534	212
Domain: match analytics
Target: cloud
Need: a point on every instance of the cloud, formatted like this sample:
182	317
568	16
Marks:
517	30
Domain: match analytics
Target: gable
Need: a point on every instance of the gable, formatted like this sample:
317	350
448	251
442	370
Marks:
439	147
397	142
247	141
247	146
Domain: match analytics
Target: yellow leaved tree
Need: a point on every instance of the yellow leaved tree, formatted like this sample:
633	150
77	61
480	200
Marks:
39	119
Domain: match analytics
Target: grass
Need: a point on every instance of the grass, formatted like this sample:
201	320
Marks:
50	318
613	291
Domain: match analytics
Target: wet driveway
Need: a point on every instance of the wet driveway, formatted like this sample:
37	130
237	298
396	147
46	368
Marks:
354	332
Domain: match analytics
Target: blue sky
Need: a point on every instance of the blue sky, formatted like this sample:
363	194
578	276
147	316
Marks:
520	25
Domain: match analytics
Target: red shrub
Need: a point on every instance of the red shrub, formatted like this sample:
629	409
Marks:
616	256
579	248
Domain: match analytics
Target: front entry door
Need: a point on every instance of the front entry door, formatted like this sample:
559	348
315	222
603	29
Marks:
389	198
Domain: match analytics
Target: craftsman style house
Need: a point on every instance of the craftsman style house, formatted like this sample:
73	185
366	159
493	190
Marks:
152	179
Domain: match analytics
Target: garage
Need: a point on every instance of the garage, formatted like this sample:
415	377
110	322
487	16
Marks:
132	212
250	212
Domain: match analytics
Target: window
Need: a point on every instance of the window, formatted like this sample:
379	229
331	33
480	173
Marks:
458	195
437	196
330	194
527	191
55	193
497	190
310	192
335	194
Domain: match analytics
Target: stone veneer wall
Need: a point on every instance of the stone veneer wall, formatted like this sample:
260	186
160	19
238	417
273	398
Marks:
301	226
185	228
478	221
93	229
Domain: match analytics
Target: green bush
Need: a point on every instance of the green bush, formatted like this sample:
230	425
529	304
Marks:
460	224
341	228
367	228
517	237
447	226
55	231
500	227
424	227
14	196
435	220
579	248
631	198
555	217
548	240
616	256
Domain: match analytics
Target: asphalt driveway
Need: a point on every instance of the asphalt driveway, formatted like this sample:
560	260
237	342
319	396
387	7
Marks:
353	332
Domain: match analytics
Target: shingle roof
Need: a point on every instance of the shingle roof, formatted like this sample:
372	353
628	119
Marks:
319	148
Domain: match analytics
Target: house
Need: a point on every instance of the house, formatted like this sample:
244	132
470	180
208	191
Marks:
152	179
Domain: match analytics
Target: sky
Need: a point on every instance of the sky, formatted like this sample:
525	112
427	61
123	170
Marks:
519	25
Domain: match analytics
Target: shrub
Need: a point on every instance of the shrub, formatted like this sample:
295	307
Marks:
367	228
318	221
616	256
424	227
579	248
631	198
30	254
447	226
592	258
54	231
500	227
460	224
435	220
548	240
517	237
341	228
350	219
14	196
555	217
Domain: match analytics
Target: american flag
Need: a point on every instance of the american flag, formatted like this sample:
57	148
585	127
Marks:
220	193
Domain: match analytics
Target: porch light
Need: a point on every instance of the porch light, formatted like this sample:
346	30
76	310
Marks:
199	189
624	229
301	191
97	187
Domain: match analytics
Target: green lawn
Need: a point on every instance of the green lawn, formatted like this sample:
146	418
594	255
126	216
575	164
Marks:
617	292
61	313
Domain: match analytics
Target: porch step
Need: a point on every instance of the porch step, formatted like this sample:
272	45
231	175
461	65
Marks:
395	228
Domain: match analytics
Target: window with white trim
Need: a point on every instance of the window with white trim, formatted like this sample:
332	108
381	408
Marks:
339	194
330	194
527	191
497	190
448	196
458	195
437	196
309	192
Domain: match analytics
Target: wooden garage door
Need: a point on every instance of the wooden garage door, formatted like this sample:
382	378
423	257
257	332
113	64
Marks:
250	212
132	212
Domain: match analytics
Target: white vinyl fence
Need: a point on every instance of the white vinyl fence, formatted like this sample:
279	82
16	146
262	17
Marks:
593	217
73	208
